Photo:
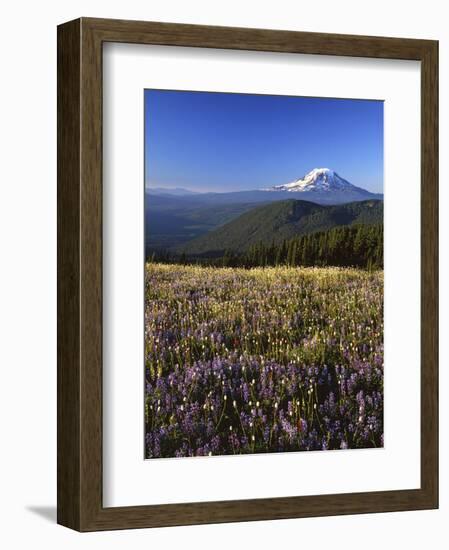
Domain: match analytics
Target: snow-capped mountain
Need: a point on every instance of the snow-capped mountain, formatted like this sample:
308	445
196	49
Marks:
319	179
325	186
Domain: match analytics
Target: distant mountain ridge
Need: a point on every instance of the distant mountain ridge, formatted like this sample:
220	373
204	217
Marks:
321	185
170	191
177	216
281	220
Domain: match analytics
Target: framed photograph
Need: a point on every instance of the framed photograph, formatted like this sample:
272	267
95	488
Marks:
247	274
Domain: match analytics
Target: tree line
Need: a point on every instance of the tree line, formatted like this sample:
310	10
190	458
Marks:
356	245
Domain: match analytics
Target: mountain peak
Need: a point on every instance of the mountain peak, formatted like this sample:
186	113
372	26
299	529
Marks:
317	180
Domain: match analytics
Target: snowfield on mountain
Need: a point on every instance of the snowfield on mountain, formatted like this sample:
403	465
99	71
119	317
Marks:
318	180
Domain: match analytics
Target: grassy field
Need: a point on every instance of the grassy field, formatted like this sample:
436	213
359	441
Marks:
262	360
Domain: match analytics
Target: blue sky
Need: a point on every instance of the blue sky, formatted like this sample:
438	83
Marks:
219	142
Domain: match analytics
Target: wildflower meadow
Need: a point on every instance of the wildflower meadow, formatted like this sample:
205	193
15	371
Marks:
261	360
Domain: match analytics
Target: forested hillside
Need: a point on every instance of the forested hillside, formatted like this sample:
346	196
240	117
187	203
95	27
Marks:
358	245
277	222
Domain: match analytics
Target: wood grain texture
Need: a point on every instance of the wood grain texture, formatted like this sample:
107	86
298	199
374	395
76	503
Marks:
68	317
143	32
429	272
80	274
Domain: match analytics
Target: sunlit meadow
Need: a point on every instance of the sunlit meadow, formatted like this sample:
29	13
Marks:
262	360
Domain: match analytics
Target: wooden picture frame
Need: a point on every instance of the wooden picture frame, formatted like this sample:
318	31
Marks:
80	504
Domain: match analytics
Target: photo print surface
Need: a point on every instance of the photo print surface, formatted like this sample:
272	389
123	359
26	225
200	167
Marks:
263	274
